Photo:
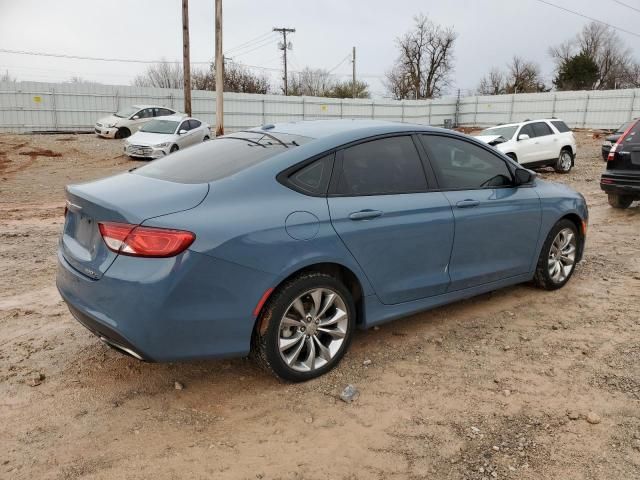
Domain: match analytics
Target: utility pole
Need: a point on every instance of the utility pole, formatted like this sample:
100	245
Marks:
219	72
284	47
186	62
353	77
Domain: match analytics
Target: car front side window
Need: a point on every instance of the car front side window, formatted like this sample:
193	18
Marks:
461	165
527	130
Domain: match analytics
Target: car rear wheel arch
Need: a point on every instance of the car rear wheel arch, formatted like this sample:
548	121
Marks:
338	271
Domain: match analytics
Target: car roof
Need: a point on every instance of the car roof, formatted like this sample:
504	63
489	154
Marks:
152	106
326	128
176	117
525	122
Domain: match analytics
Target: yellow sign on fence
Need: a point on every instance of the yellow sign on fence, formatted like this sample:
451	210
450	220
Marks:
37	99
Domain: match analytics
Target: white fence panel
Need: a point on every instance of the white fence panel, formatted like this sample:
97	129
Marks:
38	106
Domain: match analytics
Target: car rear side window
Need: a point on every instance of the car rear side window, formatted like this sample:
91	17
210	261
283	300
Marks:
194	124
461	165
313	178
561	126
541	129
387	165
219	158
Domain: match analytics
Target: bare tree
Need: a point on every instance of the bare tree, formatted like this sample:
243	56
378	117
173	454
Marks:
425	63
524	77
6	77
345	90
161	75
312	82
603	45
494	83
237	78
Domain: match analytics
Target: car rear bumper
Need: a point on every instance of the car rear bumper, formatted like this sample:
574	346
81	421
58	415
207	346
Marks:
187	307
623	182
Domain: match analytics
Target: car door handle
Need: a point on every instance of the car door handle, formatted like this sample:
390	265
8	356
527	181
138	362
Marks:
365	214
467	203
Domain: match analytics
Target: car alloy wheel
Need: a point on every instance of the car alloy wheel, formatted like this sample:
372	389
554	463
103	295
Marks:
565	161
562	255
313	329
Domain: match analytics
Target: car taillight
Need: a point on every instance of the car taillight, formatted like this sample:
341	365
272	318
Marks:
138	241
614	148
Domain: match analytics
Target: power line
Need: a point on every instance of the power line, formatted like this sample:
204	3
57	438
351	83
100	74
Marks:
626	5
590	18
249	42
100	59
269	41
341	62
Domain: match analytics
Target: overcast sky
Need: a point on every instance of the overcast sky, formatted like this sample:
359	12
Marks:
490	33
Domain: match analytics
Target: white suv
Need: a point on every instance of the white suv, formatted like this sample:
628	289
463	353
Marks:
535	143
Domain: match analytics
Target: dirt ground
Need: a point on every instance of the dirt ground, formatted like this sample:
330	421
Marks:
519	383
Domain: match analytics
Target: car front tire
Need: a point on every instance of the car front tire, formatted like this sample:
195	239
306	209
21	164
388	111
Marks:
174	148
620	201
558	256
123	133
305	327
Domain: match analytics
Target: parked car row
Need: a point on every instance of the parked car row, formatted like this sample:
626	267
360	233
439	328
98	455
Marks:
152	131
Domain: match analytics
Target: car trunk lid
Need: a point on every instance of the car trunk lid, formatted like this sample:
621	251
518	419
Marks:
126	198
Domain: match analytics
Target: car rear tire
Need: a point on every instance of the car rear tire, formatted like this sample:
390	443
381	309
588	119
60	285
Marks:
564	163
557	260
174	148
620	201
123	132
305	327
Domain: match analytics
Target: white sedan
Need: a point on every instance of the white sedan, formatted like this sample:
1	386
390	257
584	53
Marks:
129	120
165	135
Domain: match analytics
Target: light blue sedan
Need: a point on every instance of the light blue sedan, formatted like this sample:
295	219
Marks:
283	239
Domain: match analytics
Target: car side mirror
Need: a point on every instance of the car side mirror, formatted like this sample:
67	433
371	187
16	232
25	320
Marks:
523	136
135	117
524	176
182	132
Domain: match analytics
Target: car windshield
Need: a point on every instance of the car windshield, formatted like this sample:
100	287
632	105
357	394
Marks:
127	112
506	132
221	157
160	126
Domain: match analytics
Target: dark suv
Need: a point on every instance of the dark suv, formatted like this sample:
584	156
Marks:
613	138
621	179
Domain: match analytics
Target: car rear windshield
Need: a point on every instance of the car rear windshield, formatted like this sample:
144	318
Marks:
506	132
160	126
624	127
221	157
561	126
